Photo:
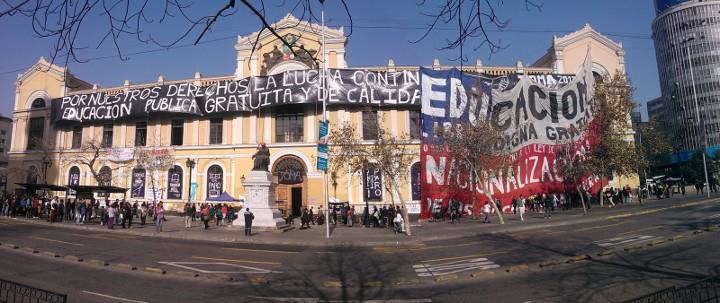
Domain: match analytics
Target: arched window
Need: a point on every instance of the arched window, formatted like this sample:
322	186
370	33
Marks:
415	181
175	182
32	175
599	79
105	176
137	188
289	170
214	181
38	103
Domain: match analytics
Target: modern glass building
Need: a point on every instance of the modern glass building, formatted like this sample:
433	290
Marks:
687	46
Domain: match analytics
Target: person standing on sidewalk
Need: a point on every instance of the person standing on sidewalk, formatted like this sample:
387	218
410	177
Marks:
142	212
205	215
486	211
159	217
187	210
249	217
111	217
548	200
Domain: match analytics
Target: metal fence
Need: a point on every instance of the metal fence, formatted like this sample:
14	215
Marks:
11	292
703	291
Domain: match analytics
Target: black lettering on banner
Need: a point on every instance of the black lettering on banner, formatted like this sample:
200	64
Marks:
568	97
534	91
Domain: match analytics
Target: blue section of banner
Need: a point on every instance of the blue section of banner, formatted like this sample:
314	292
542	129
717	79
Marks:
322	149
451	97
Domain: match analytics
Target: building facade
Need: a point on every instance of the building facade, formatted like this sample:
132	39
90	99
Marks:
222	146
687	46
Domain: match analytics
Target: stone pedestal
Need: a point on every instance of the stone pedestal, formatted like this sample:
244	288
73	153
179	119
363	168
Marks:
260	198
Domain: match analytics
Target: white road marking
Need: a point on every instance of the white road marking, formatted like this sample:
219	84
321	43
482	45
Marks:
112	297
715	216
623	240
195	265
447	268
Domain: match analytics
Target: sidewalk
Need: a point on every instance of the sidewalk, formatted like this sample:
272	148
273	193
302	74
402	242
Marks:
360	236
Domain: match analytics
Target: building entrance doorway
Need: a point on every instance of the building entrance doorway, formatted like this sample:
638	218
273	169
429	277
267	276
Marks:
296	201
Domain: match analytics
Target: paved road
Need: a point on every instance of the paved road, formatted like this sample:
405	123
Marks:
437	270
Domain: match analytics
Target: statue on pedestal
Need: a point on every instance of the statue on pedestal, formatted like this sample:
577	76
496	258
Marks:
261	158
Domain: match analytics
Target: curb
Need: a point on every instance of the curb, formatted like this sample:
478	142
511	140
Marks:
578	258
632	248
99	262
155	270
30	250
406	282
518	268
73	258
605	253
550	263
222	278
51	254
125	266
656	242
10	245
677	237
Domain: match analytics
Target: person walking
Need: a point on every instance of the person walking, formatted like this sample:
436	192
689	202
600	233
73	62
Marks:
486	211
218	215
248	221
520	207
188	215
159	217
399	228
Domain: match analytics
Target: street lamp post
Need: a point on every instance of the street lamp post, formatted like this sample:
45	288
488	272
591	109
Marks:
190	163
697	115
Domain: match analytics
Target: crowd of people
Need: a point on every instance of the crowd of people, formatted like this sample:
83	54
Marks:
108	213
376	217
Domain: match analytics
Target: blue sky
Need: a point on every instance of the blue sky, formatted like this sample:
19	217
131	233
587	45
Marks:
528	36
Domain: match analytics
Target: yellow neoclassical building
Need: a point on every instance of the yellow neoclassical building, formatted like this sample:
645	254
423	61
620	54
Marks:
221	145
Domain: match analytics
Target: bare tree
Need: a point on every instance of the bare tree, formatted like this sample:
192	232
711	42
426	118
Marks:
474	20
390	154
66	21
473	147
614	152
154	159
571	163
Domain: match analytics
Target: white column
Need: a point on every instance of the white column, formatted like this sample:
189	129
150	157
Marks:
349	178
267	132
196	132
60	144
340	59
394	122
253	128
123	136
232	179
237	130
342	117
240	67
22	133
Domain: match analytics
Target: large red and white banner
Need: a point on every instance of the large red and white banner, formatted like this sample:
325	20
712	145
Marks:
536	120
